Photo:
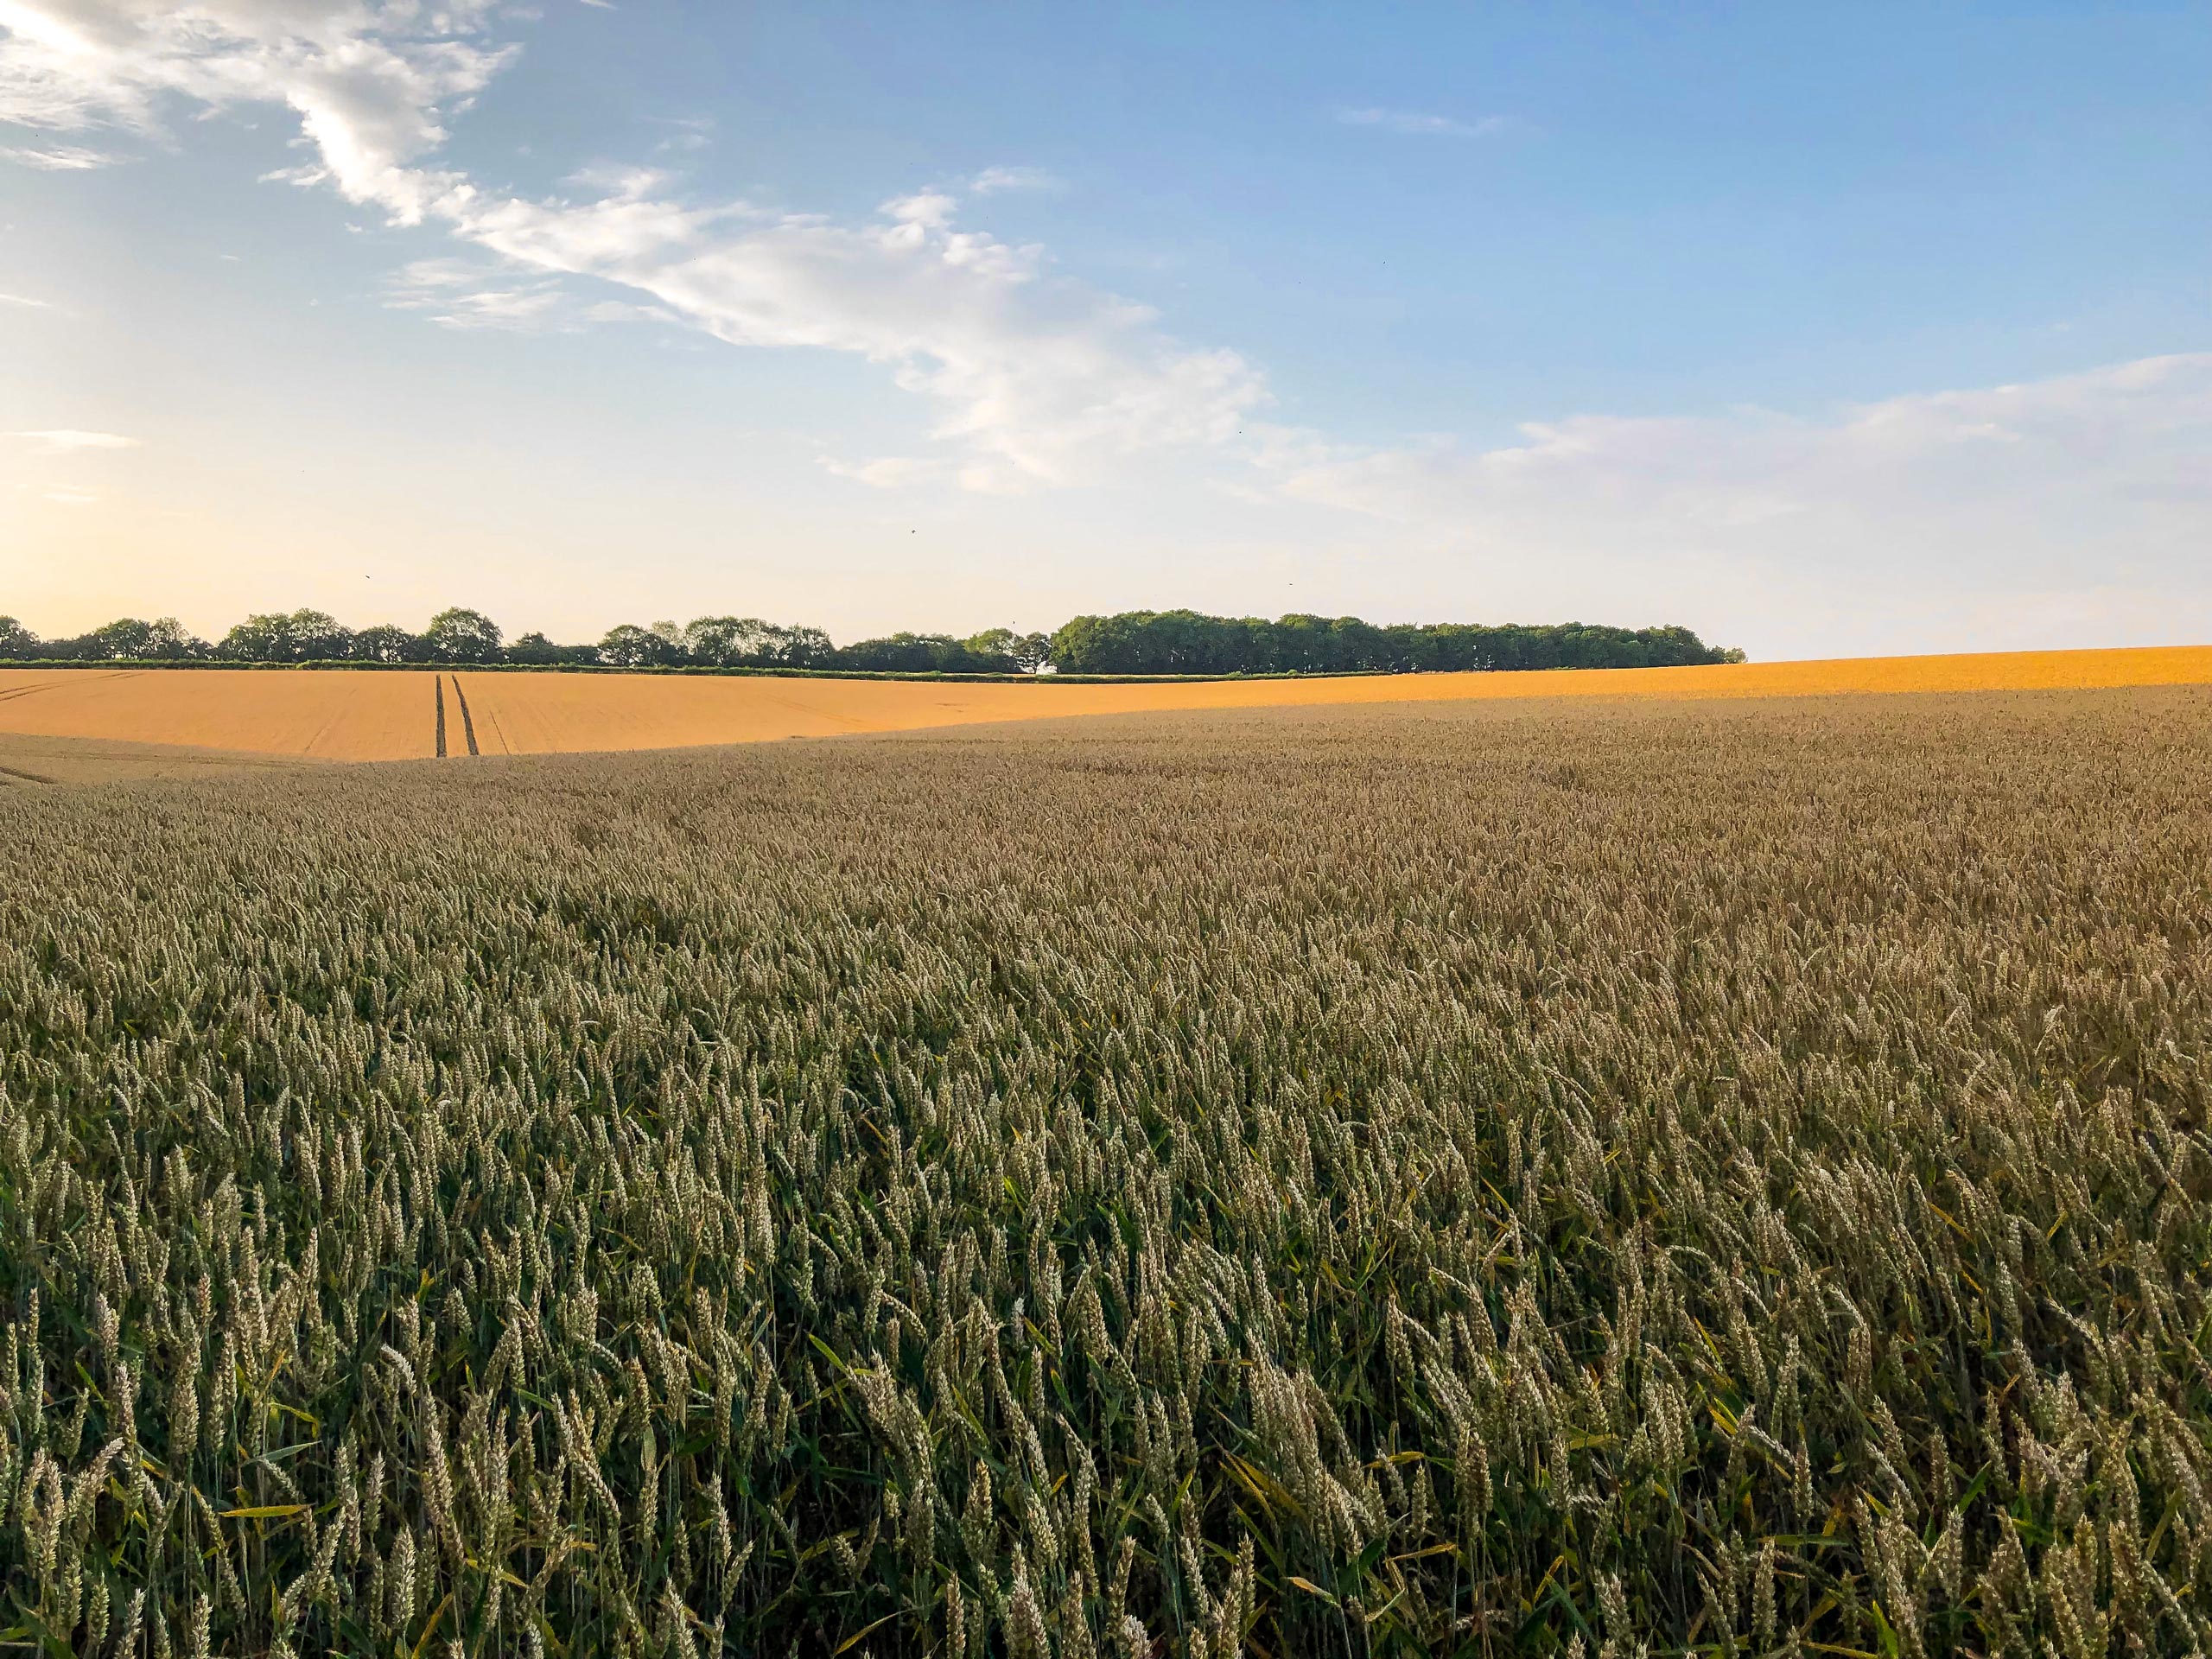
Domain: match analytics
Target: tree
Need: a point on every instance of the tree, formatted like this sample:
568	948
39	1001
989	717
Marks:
1008	651
905	652
129	639
387	642
260	639
458	635
739	642
169	639
804	647
16	640
301	636
318	636
631	646
536	648
1090	645
995	646
125	637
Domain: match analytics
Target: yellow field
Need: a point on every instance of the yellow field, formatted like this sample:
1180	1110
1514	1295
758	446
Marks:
333	715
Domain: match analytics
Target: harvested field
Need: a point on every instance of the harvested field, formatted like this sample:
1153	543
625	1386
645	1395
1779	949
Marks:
325	716
385	716
467	721
1468	1177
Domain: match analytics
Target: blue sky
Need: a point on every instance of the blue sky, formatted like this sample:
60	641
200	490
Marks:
1821	329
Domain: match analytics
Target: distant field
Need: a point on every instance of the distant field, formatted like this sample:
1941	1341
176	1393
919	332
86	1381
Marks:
337	715
351	717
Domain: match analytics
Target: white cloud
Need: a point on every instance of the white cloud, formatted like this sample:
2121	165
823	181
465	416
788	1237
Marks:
993	179
60	158
620	180
63	440
474	293
485	294
1038	377
18	299
1917	510
889	472
1415	123
369	82
693	132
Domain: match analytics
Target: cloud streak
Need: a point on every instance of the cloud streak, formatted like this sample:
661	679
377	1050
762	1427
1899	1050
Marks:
993	179
60	158
1414	123
61	440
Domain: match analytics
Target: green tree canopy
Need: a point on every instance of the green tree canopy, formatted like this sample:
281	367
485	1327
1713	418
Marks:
460	635
300	635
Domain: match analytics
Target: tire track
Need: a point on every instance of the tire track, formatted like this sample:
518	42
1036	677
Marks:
438	690
64	679
468	723
497	730
21	776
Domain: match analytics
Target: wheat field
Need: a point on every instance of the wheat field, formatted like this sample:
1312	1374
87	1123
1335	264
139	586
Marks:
1473	1178
334	714
308	714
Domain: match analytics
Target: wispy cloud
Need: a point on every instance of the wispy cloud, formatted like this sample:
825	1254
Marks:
471	294
59	440
18	299
692	132
620	181
1040	377
888	472
993	179
480	294
1911	514
1417	123
59	158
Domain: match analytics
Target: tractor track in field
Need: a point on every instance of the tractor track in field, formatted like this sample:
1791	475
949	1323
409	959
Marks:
49	685
438	692
468	721
499	731
17	774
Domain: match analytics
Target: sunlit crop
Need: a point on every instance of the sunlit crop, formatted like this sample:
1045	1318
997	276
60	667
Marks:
1500	1178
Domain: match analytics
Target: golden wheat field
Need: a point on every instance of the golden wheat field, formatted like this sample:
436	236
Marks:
339	716
327	716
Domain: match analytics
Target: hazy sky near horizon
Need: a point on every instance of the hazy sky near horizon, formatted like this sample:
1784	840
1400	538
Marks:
1821	329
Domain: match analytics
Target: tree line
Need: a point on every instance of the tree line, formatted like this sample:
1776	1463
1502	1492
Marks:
1129	642
1186	642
